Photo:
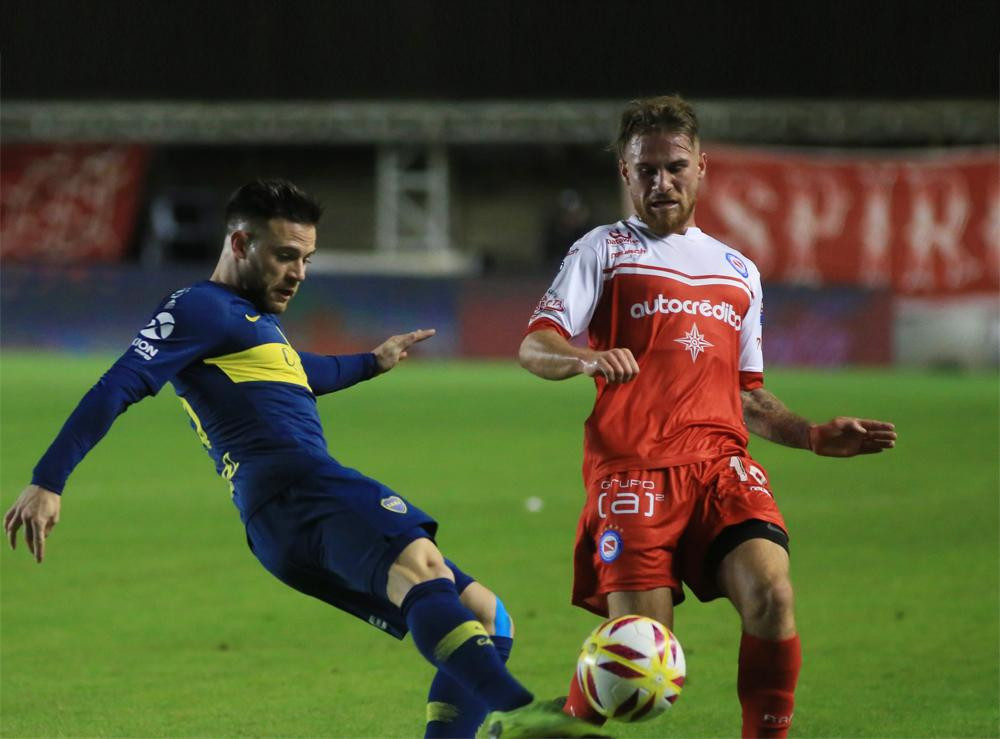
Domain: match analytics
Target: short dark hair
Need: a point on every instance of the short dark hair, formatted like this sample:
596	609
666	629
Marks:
262	200
664	113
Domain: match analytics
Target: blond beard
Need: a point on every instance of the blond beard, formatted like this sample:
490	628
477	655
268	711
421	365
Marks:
665	226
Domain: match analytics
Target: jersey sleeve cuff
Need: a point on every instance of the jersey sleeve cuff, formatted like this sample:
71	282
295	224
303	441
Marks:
547	324
48	484
751	380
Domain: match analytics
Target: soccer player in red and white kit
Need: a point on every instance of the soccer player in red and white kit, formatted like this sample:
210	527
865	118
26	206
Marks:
674	322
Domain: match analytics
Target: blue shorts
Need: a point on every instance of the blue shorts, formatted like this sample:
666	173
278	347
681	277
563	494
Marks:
333	535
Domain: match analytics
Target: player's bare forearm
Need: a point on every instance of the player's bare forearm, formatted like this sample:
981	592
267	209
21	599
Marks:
769	418
549	355
843	436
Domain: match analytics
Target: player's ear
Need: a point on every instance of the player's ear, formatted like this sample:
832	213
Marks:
239	242
623	170
702	164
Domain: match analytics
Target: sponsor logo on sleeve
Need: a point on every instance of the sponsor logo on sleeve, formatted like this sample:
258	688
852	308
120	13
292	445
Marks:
549	303
609	545
571	252
144	349
738	264
159	327
173	298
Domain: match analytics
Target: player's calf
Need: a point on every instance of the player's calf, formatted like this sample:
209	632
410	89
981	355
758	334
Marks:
452	710
754	576
488	608
449	635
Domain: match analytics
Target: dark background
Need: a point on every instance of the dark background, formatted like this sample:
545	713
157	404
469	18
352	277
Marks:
255	49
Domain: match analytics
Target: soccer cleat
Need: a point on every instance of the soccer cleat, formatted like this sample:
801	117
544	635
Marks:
535	720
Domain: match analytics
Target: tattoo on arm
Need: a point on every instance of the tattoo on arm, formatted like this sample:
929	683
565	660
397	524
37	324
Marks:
768	417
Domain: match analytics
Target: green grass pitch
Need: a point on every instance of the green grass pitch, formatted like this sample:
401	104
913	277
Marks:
150	617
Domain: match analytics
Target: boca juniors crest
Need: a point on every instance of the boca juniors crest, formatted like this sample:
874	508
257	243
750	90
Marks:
394	503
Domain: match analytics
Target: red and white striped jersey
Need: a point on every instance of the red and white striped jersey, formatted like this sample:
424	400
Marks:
690	310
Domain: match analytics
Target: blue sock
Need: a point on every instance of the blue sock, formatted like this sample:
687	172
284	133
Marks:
449	637
452	711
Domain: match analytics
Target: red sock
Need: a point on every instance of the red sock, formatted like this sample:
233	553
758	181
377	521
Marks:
766	684
578	705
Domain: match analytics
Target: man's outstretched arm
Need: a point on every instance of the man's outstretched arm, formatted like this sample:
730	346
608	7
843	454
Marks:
330	373
37	508
551	356
844	436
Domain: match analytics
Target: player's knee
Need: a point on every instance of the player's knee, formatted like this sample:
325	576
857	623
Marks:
421	561
771	602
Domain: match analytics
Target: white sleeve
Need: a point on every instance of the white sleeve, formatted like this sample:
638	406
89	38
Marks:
573	296
751	353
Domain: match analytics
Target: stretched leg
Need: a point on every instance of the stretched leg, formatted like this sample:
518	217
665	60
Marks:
450	637
657	604
452	711
447	633
754	576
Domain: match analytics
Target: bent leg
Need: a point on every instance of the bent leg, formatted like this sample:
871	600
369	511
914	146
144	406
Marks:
755	577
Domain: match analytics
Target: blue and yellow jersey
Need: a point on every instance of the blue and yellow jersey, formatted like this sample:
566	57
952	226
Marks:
250	396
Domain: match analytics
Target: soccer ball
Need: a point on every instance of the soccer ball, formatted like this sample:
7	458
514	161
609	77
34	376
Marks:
631	668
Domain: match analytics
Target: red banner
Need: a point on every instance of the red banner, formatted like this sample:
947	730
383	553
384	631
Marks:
68	204
919	224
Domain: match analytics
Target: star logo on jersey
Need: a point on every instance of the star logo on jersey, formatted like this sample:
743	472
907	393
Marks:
694	341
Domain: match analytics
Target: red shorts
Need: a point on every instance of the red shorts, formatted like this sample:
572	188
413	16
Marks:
645	529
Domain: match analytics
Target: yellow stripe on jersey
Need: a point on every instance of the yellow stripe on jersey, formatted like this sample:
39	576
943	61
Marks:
264	363
197	424
457	637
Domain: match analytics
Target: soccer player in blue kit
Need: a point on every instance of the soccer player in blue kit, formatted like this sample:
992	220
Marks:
322	528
